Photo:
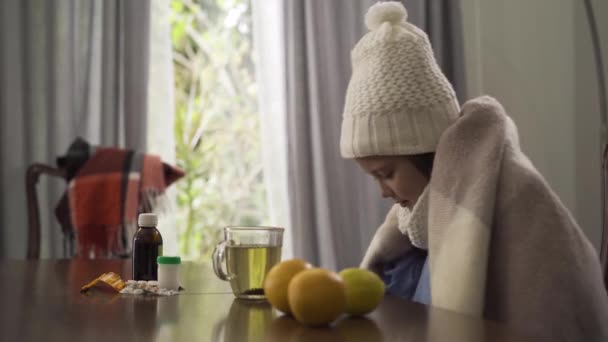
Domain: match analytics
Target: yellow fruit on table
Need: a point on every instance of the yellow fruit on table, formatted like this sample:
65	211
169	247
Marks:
364	290
277	280
317	296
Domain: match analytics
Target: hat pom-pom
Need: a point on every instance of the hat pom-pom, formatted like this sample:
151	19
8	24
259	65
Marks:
392	12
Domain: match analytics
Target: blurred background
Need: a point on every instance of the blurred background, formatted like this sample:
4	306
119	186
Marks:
246	97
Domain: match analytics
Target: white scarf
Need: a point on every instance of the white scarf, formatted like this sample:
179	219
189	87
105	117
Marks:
414	223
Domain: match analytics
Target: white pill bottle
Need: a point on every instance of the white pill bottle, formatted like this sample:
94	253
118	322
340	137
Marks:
168	272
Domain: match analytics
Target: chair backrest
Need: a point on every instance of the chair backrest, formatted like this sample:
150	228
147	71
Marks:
31	180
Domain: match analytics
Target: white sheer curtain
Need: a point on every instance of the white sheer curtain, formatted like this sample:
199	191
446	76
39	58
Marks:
161	106
269	53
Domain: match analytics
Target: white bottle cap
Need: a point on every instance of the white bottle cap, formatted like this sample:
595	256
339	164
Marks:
147	220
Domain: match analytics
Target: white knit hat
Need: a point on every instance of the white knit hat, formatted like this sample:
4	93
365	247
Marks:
398	101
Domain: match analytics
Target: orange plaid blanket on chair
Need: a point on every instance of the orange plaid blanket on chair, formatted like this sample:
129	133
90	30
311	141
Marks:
106	194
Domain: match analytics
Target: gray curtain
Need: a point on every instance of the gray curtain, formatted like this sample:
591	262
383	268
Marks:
67	69
442	21
334	207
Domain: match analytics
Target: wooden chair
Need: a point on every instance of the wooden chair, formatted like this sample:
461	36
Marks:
32	176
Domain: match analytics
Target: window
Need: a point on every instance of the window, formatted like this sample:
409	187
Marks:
217	126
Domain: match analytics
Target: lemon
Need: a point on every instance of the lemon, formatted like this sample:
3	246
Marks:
364	290
277	281
317	297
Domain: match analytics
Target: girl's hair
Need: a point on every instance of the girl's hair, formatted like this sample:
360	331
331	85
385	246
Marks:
423	162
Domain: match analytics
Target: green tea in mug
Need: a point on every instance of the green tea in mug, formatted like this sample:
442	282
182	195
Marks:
248	254
247	265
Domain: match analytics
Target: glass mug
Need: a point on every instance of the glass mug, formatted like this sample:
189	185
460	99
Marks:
249	253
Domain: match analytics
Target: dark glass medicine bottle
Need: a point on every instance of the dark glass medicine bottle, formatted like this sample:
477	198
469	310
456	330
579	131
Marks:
147	246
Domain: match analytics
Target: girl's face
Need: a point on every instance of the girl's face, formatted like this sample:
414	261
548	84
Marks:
397	176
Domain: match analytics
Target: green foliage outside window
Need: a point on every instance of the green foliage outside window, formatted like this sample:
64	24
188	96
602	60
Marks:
216	122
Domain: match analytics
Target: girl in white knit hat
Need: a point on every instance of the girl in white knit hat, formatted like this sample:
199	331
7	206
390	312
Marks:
500	243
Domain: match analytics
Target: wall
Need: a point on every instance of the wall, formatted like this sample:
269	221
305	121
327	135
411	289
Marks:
536	58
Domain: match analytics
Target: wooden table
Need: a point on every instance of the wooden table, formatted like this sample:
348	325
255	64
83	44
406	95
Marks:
40	301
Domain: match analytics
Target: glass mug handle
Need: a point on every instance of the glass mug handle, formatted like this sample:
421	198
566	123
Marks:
218	260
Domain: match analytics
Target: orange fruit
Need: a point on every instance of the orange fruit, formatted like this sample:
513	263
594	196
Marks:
277	280
317	296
